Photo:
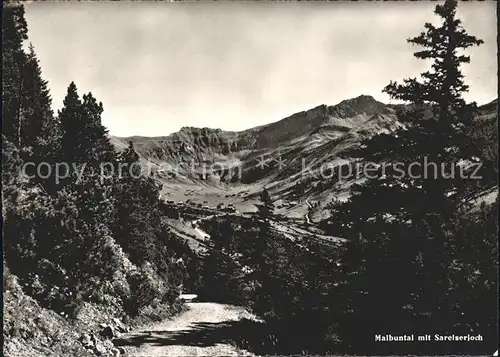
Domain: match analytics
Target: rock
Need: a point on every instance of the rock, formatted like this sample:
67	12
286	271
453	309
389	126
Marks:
93	338
120	326
108	332
86	340
100	349
108	344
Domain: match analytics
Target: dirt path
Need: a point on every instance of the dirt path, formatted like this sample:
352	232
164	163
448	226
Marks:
196	332
308	220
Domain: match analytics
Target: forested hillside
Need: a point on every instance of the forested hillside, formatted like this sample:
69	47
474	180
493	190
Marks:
76	238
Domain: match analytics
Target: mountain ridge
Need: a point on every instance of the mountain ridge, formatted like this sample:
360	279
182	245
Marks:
305	141
258	127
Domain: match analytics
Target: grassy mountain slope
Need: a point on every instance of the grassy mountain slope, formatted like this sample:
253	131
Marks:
296	158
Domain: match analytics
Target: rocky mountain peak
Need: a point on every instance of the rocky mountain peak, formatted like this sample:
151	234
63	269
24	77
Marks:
358	105
195	130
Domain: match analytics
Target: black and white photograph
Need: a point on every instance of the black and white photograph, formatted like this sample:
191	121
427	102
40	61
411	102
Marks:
249	178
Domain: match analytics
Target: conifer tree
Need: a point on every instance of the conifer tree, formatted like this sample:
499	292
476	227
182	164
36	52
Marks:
262	255
40	129
84	138
14	32
70	117
101	149
138	219
261	220
266	207
130	160
222	269
444	140
443	85
402	223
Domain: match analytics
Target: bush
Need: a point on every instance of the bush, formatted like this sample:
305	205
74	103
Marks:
146	289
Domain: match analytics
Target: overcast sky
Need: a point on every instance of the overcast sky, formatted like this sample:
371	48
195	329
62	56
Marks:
160	66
